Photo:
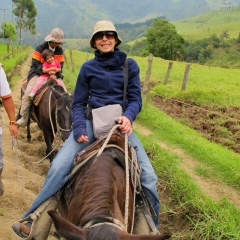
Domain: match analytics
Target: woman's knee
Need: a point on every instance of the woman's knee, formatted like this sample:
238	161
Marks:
149	178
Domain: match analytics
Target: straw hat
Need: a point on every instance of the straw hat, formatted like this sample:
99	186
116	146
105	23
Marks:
103	26
56	35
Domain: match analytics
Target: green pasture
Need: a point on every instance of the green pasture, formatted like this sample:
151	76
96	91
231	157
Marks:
76	44
71	68
204	25
11	62
205	85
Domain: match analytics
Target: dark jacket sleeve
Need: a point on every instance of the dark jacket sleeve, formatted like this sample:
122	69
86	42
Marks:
79	104
134	98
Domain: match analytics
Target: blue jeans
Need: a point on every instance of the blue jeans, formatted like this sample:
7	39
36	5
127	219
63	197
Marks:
60	168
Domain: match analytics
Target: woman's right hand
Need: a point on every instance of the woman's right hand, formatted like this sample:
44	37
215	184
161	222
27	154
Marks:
83	138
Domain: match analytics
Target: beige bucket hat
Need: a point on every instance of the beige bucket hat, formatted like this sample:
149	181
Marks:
56	35
102	26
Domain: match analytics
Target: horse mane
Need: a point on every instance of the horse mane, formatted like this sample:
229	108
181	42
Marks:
64	98
93	192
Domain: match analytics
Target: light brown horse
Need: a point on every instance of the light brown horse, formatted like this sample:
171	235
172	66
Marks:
97	205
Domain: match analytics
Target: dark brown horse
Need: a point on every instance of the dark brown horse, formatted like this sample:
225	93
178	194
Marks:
97	206
53	114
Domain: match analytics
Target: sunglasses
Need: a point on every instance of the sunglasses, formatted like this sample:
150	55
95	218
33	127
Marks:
108	35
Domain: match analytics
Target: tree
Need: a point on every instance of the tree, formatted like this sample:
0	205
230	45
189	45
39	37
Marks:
238	39
25	13
9	32
164	41
223	35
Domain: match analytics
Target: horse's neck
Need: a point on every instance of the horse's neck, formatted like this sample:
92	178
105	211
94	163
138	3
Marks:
102	191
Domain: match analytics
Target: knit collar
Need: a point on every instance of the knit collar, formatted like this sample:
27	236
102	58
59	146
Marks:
113	59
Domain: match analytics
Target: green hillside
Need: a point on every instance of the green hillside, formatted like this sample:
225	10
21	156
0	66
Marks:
206	24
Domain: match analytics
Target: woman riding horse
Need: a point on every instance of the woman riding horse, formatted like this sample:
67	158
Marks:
100	83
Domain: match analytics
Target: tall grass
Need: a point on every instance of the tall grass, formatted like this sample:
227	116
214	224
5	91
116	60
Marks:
209	218
221	163
11	62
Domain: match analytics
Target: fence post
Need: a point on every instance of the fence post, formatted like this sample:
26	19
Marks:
65	58
168	72
148	73
71	58
87	57
185	77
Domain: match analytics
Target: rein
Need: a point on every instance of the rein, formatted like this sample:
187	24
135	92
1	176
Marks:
135	171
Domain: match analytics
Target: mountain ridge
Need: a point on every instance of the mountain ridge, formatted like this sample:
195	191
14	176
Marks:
76	17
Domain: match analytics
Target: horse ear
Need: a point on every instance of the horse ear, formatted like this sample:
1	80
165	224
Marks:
67	229
127	236
58	91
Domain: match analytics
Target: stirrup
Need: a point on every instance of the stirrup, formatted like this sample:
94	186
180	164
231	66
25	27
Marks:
33	217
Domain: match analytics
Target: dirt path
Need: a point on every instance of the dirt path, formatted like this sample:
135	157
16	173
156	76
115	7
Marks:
22	180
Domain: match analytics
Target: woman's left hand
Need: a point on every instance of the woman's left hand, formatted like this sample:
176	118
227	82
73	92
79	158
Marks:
126	126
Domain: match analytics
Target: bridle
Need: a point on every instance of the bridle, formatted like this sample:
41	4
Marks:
59	129
115	222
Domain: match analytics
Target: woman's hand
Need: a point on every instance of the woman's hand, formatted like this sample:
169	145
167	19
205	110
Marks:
83	138
126	126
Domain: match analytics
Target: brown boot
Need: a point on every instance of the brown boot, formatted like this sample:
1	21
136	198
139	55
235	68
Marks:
1	184
22	230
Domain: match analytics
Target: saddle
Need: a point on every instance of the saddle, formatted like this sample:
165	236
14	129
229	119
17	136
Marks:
116	140
42	90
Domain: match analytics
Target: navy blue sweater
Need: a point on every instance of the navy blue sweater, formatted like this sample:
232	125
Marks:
100	82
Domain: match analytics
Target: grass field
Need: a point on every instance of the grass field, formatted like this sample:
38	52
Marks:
206	24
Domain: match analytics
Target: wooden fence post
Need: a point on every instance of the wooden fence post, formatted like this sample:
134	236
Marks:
71	58
168	72
87	57
65	58
185	77
148	73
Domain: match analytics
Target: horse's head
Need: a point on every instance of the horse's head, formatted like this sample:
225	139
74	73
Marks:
63	111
